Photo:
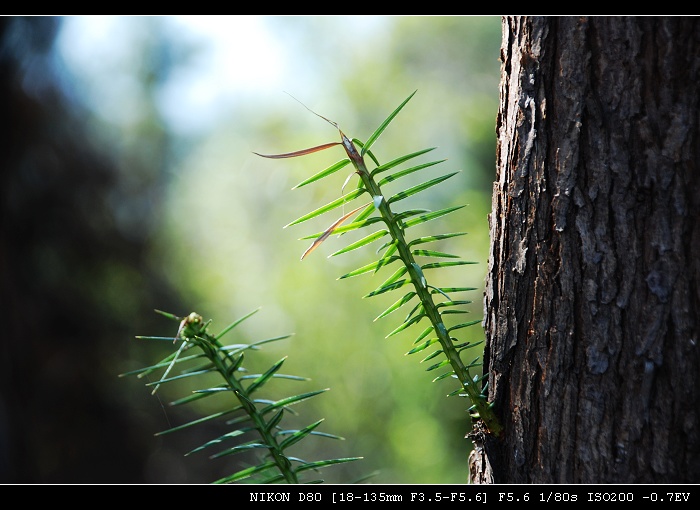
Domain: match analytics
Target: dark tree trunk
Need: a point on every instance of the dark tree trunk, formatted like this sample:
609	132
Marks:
75	284
592	296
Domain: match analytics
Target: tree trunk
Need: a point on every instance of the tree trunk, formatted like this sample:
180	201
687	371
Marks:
592	309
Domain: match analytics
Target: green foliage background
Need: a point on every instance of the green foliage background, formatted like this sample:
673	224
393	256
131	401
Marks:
211	215
228	207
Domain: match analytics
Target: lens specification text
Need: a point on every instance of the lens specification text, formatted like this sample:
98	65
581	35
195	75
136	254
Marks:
413	494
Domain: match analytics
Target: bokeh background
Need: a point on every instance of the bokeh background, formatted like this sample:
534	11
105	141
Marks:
129	183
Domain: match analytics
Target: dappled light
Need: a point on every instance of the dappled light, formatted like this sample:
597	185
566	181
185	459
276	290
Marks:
171	209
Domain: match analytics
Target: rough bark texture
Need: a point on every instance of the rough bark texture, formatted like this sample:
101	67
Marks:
592	308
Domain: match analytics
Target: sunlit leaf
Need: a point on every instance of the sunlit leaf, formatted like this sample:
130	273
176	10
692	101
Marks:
302	152
388	255
328	232
431	253
453	289
329	207
260	381
366	213
418	188
418	309
388	288
368	268
467	345
430	216
432	355
425	333
395	162
463	325
291	400
438	365
442	376
236	323
475	363
405	325
355	225
394	277
408	171
424	345
439	237
246	473
373	137
362	242
453	303
324	173
398	304
299	435
434	265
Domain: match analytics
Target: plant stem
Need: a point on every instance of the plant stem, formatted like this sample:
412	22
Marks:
225	365
396	229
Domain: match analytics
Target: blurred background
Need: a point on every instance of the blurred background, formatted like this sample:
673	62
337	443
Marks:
129	184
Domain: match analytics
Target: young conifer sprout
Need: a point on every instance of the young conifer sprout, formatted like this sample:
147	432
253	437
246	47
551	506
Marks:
395	225
251	416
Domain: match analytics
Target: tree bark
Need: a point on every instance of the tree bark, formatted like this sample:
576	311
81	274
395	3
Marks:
592	306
